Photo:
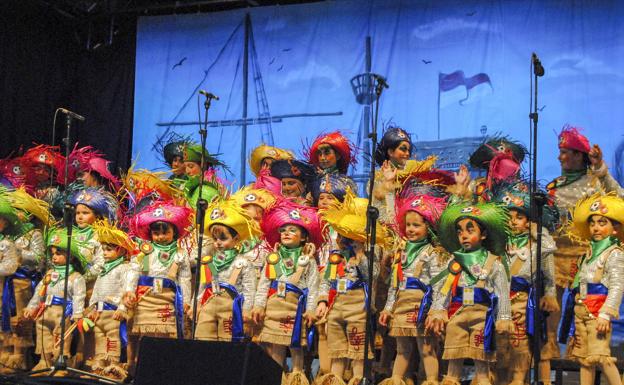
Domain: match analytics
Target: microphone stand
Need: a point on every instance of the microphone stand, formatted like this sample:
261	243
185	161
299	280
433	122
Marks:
372	214
200	210
538	199
68	219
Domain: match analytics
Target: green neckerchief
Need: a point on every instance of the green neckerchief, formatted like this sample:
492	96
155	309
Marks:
518	241
468	259
87	232
169	249
248	245
110	265
396	165
597	248
570	177
286	255
223	259
60	269
1	236
412	250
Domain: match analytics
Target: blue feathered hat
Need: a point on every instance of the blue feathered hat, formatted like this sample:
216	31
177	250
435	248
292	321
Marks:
333	183
98	200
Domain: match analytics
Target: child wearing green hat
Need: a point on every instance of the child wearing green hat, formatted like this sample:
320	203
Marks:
47	305
474	288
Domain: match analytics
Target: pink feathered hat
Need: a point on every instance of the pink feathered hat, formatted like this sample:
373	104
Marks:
268	182
286	212
179	216
572	139
89	159
429	207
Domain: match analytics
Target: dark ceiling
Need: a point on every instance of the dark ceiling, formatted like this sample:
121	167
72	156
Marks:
105	8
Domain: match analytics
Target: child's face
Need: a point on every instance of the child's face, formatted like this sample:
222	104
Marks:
254	211
112	252
89	180
292	188
326	200
223	239
469	234
327	156
177	166
518	221
163	237
58	256
415	226
84	216
600	227
3	224
401	154
42	172
291	236
192	168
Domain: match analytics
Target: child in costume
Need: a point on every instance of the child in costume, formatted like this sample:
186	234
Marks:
9	223
474	288
327	190
514	351
171	150
41	165
295	177
90	205
344	289
161	294
106	308
31	254
410	294
286	294
263	156
228	279
255	202
331	154
595	295
192	164
47	306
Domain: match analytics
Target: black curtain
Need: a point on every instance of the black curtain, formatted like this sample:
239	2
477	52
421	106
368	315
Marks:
45	64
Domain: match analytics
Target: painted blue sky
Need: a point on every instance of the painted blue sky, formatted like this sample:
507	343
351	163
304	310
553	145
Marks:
307	55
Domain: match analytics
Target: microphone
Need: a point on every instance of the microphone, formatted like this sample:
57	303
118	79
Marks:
381	81
72	114
209	95
538	69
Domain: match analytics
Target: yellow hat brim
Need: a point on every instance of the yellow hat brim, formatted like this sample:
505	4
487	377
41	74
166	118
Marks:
265	151
606	205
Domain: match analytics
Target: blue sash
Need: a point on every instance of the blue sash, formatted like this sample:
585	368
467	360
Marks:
123	327
178	302
519	284
416	284
567	327
295	339
58	301
483	297
9	307
238	332
354	285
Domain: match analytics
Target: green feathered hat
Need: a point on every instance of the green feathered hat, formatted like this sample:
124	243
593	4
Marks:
517	196
57	237
193	153
493	217
8	212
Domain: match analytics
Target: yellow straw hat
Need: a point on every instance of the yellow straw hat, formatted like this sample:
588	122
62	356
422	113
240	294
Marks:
253	196
107	233
229	213
22	200
265	151
608	205
349	220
